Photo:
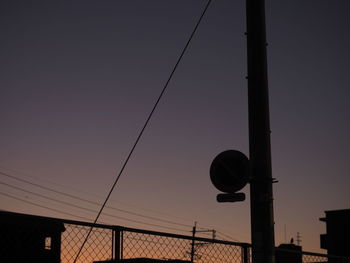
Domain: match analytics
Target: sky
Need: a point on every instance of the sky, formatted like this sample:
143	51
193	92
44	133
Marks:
79	78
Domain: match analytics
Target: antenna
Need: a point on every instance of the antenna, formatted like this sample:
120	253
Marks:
298	238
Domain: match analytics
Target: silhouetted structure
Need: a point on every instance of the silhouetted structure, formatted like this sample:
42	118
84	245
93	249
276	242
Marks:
336	241
288	253
144	260
29	239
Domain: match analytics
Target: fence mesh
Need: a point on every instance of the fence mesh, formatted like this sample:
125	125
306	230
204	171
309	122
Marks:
311	259
99	246
30	239
141	245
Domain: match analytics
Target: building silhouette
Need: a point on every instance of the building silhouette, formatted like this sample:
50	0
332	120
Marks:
28	238
288	253
336	239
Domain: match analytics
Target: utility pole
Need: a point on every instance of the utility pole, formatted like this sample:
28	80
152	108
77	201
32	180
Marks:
261	194
194	244
298	239
193	241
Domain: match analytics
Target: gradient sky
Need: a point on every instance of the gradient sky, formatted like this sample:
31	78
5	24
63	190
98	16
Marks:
78	79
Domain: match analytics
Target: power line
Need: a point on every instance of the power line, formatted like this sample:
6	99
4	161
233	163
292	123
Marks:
92	202
83	208
86	209
99	196
49	208
219	233
227	236
47	197
47	181
145	125
47	188
90	210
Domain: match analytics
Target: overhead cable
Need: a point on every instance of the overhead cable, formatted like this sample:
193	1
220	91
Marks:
145	125
227	236
41	206
92	202
80	207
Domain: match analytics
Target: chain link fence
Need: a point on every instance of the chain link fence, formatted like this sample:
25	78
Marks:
107	243
286	256
98	247
26	238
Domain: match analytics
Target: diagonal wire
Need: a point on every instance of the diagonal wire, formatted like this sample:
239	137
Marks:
144	126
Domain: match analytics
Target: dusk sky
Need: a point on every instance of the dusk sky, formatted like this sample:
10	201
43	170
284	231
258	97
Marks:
79	78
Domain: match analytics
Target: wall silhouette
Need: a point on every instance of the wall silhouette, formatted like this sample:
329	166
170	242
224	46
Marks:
336	240
288	253
27	238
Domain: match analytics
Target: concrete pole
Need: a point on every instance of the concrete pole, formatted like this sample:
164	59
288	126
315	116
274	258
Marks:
261	194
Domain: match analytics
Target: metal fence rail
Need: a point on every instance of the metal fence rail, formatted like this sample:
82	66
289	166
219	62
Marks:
169	247
121	243
26	238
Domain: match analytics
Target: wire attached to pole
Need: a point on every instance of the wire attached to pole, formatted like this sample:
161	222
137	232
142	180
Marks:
144	127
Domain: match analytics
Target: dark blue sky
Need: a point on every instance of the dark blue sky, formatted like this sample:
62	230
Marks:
78	79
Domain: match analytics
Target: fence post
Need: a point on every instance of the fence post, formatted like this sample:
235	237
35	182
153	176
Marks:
245	254
117	242
113	234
